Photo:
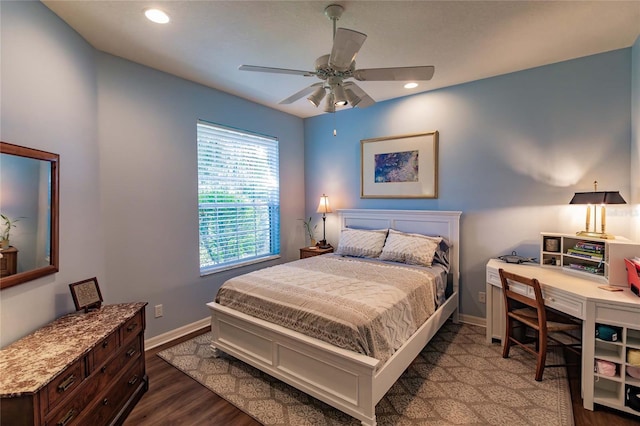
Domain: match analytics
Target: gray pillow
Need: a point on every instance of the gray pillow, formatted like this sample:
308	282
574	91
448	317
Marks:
361	242
412	249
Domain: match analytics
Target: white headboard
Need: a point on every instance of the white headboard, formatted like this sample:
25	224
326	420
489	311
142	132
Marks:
427	222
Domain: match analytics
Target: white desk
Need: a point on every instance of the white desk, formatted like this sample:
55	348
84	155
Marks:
582	299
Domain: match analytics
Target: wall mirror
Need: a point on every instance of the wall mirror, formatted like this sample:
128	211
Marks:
29	210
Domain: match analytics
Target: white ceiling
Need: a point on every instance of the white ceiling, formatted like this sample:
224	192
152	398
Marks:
206	41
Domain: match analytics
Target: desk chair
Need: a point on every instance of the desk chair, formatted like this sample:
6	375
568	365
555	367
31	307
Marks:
525	312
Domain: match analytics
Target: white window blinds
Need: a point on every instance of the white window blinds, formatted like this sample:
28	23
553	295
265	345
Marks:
238	197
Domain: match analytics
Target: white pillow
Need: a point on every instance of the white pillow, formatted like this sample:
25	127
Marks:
412	249
361	243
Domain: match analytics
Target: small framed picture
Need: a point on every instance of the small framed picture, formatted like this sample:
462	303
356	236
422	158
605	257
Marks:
86	294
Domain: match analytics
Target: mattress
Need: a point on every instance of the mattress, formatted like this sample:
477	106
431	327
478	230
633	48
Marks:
360	305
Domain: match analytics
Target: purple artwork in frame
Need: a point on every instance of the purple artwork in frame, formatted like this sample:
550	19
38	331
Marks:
396	167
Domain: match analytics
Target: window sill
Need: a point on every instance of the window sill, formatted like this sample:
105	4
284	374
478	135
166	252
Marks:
215	270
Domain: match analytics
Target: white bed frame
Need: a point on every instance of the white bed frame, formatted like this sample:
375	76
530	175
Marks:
349	381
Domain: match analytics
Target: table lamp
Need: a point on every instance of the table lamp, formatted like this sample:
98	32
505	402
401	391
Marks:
324	208
591	199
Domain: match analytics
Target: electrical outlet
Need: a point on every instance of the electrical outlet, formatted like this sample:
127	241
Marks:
482	297
159	311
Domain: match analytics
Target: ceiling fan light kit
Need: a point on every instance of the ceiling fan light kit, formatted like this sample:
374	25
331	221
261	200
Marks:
330	105
317	96
339	66
339	95
352	98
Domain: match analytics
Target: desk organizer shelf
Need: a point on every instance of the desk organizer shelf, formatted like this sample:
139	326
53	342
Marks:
593	258
610	391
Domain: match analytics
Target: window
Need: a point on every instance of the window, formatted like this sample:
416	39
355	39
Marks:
238	197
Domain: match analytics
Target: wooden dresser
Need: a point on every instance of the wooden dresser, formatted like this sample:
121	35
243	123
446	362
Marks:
82	369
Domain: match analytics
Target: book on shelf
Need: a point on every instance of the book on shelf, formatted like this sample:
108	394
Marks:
589	247
585	254
586	268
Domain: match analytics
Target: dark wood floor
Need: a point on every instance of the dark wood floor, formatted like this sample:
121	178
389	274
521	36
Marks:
176	399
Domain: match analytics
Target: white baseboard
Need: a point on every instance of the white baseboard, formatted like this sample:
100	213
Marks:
176	333
469	319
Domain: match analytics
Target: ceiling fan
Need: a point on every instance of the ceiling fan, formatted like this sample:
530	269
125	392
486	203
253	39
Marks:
336	68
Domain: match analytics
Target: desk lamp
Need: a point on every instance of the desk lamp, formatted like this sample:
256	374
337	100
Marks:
591	199
324	208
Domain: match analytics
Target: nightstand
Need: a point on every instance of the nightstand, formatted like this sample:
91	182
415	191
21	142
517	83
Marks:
310	252
8	261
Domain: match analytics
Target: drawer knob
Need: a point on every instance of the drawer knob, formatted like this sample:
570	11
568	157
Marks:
133	380
131	352
132	327
105	401
67	418
105	343
104	369
64	385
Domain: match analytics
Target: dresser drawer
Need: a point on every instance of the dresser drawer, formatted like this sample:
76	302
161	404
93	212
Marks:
70	410
133	327
131	350
103	410
64	384
103	350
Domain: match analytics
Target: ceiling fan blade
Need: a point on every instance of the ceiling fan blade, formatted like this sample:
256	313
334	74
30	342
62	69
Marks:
365	100
395	74
276	70
300	94
346	45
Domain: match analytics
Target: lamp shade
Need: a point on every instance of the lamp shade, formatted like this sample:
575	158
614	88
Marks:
323	206
592	199
598	197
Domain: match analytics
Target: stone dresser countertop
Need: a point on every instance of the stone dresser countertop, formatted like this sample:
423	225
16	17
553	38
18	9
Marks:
32	362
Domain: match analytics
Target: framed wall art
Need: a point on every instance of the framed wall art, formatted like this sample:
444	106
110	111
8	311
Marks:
399	166
86	294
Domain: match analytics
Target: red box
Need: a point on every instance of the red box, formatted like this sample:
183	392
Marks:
633	272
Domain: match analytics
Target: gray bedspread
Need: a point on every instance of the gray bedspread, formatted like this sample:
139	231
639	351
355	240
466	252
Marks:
370	308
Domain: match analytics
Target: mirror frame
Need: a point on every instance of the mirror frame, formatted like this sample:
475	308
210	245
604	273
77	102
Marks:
53	267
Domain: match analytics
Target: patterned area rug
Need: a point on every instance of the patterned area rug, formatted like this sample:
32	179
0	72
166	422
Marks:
456	380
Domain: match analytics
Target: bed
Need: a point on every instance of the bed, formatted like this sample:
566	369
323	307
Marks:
350	381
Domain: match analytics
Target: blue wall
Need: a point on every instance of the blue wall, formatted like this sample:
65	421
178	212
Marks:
513	150
126	135
49	97
149	192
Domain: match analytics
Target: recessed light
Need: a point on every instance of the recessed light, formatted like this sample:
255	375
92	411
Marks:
157	16
410	85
